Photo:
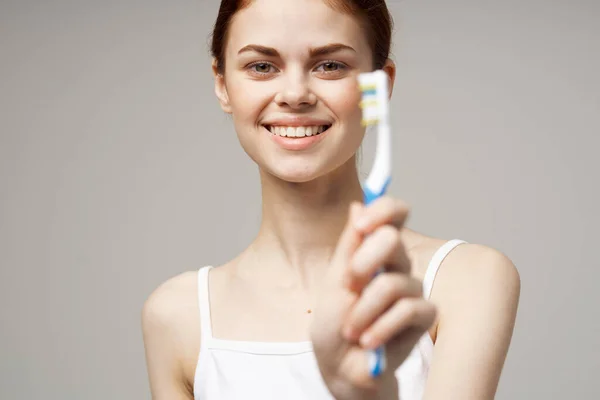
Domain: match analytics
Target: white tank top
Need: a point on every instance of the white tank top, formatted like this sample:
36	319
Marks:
233	369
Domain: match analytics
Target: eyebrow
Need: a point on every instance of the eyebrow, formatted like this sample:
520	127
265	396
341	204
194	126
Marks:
314	52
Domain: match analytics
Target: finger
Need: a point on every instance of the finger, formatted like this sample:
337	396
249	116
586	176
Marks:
414	313
383	247
381	294
385	210
348	241
355	364
355	368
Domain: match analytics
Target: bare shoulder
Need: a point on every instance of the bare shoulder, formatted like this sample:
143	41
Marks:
465	263
171	326
171	302
473	277
474	267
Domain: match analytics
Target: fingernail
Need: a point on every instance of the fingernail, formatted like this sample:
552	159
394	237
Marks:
366	340
362	223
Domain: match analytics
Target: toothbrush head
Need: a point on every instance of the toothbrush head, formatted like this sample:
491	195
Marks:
374	102
375	112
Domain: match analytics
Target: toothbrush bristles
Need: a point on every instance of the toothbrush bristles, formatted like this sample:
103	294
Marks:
372	121
368	87
368	103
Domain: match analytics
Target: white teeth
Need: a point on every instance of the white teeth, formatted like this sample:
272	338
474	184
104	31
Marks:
300	131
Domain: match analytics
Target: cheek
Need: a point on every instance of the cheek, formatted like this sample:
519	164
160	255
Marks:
343	99
248	98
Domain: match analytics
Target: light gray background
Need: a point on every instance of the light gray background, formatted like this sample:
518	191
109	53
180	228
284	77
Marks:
118	170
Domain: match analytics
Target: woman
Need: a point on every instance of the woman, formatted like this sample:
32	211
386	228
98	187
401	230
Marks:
293	315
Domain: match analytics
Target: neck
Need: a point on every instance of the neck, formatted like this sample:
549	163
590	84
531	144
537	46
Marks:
301	223
300	227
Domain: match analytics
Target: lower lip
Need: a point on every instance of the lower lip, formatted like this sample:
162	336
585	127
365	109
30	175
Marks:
296	144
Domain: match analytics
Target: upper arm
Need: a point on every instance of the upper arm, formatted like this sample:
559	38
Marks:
477	294
163	343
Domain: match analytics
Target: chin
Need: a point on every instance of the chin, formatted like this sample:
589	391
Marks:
296	175
299	171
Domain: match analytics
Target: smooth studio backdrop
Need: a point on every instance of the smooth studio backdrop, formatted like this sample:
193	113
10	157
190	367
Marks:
118	170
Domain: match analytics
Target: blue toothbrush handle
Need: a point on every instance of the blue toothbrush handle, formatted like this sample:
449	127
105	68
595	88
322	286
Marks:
377	358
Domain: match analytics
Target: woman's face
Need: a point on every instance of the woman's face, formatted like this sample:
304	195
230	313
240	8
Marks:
290	84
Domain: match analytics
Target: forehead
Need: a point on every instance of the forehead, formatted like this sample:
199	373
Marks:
294	25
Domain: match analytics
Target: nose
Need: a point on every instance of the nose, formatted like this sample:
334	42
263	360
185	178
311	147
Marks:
295	92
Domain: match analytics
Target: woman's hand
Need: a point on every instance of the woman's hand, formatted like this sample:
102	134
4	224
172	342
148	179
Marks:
356	312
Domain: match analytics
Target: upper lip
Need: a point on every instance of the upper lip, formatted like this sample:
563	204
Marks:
296	121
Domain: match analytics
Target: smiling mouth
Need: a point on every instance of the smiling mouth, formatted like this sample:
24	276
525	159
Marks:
297	131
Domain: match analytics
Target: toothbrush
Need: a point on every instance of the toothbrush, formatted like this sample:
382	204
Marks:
375	112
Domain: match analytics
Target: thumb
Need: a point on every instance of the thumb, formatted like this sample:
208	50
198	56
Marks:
349	240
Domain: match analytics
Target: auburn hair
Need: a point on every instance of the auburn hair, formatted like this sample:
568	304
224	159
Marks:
373	15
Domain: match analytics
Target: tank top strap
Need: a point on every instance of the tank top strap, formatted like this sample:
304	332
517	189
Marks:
435	263
204	305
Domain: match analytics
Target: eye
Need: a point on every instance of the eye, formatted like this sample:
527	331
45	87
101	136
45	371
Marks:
261	68
331	67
